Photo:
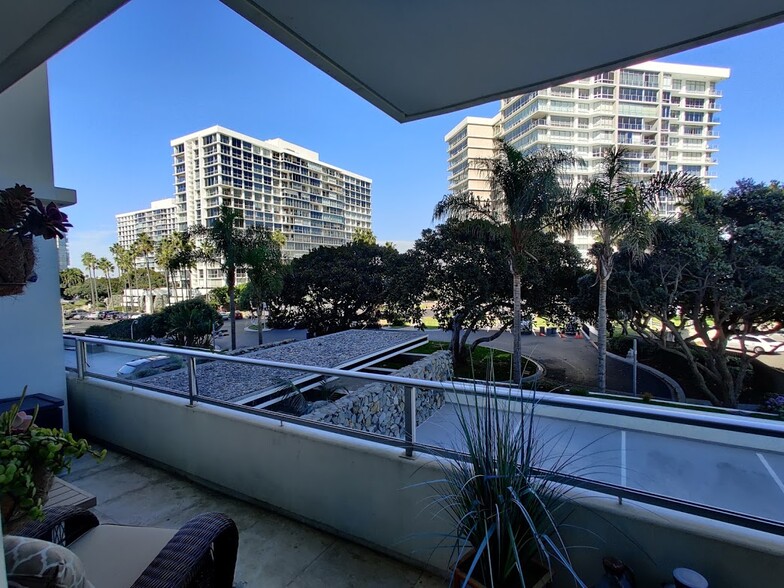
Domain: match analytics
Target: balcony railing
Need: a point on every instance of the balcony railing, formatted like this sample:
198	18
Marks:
709	434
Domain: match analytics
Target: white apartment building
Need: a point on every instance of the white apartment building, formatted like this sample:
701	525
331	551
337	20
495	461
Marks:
274	184
158	221
665	114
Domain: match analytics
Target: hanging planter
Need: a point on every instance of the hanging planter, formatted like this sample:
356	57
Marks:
23	217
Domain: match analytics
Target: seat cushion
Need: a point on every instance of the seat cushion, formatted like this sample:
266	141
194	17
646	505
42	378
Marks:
34	563
114	556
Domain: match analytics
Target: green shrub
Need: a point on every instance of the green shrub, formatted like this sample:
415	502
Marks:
188	324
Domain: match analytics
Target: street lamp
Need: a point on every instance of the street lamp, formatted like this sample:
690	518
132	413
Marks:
133	322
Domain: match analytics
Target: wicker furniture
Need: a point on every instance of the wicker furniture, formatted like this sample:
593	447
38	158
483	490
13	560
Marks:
202	553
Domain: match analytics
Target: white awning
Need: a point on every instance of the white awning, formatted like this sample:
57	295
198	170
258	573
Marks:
419	58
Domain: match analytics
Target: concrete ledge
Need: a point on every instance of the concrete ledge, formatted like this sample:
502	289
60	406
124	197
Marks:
370	493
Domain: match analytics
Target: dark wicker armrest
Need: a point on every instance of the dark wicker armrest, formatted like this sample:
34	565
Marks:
203	552
61	524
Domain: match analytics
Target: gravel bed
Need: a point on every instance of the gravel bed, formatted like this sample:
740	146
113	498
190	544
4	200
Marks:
231	381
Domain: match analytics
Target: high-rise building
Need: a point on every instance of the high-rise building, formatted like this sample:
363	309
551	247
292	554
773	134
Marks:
63	255
665	114
273	183
158	221
469	143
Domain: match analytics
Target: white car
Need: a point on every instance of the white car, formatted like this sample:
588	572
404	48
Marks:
755	344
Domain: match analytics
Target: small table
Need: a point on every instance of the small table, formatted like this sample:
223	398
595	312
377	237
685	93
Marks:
66	494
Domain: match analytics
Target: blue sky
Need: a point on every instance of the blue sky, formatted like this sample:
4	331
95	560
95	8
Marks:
158	70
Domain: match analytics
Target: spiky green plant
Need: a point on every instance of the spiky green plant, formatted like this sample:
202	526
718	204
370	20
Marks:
505	507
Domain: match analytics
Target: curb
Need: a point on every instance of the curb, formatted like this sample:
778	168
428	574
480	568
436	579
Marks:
675	387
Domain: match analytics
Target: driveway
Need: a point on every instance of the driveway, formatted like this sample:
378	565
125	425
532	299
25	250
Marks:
573	361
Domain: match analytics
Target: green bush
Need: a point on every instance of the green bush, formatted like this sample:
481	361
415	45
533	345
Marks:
146	327
188	324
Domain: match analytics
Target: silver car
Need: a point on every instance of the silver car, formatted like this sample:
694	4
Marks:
148	366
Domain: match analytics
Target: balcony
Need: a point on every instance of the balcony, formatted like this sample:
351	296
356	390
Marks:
274	550
655	472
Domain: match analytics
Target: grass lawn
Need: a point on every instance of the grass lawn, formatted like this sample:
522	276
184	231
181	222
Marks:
482	357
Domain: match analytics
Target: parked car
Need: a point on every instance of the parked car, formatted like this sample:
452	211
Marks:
238	315
149	366
755	343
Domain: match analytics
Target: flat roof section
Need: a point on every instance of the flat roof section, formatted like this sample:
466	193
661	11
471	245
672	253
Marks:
261	386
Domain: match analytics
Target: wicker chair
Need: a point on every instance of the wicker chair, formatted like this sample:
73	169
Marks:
202	553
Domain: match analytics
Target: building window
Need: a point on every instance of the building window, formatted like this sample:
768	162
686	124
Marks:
694	86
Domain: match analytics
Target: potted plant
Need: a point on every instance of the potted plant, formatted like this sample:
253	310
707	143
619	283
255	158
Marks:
23	217
30	457
505	510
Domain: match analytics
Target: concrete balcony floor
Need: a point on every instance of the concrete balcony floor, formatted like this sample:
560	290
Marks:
273	550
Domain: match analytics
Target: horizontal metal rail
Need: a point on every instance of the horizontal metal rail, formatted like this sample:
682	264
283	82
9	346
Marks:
727	422
409	443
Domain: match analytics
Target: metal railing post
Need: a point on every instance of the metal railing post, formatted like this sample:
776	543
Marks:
409	395
81	358
193	387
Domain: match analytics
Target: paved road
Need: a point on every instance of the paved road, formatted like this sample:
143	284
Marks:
573	361
251	338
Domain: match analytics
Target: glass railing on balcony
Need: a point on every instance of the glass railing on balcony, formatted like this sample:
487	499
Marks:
668	455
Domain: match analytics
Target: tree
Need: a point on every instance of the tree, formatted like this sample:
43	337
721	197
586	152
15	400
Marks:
165	251
144	247
69	277
225	240
467	279
716	272
621	212
124	260
365	236
332	289
107	268
264	262
185	256
527	195
88	261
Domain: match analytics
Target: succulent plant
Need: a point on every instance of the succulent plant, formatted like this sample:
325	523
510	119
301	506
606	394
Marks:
26	216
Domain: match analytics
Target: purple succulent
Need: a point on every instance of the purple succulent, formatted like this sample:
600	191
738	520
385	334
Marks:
47	221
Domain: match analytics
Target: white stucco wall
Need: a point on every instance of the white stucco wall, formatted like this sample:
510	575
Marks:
30	323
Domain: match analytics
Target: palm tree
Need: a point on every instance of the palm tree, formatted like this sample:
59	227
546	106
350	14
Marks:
123	259
107	268
144	247
527	196
71	276
185	256
88	261
265	264
620	210
225	240
164	258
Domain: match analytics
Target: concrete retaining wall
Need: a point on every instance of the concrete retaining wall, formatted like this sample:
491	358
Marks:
380	408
